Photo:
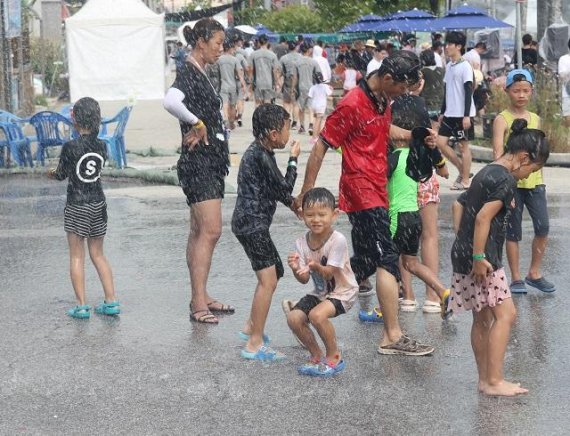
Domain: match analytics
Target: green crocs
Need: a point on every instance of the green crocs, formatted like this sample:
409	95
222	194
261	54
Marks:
80	312
110	309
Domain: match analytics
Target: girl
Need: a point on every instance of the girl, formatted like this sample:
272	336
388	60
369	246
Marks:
319	94
350	76
82	161
479	281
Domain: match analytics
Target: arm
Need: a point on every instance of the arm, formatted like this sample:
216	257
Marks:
468	88
499	128
399	134
60	173
300	272
240	77
456	214
325	271
281	187
482	267
173	103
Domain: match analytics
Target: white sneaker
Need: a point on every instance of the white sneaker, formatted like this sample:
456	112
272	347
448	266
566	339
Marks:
408	305
431	307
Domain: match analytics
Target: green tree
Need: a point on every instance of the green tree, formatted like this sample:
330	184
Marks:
252	15
338	13
294	19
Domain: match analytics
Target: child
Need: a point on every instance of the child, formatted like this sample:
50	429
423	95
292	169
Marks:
350	76
260	186
479	281
530	191
318	95
85	215
321	254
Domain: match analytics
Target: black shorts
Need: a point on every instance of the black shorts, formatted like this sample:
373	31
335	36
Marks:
372	243
535	202
309	302
86	220
408	233
453	127
261	251
200	186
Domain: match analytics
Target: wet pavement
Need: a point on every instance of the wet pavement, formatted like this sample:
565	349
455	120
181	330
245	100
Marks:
151	371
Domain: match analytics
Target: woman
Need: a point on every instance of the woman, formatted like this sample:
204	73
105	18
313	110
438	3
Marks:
204	161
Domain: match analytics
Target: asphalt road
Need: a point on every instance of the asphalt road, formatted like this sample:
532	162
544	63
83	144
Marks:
151	371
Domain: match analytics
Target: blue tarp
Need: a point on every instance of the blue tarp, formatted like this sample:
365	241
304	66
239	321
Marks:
467	17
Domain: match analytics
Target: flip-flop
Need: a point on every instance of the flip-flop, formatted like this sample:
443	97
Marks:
222	308
207	317
541	284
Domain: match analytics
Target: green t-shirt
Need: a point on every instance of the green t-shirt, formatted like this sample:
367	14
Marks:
402	190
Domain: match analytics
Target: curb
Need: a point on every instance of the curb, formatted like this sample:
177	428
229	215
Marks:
484	154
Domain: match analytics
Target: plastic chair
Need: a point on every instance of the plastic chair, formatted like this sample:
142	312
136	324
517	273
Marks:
17	143
52	129
116	140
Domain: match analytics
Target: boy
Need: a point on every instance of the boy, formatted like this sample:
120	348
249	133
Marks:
321	254
85	215
319	93
530	191
260	186
458	108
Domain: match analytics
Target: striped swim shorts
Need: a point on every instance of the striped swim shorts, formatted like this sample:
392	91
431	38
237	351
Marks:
86	220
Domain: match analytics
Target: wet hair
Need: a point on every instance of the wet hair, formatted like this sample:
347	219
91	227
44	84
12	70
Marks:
228	44
402	65
527	39
262	39
305	47
457	38
205	28
532	141
436	44
427	58
87	114
481	45
291	45
268	117
319	197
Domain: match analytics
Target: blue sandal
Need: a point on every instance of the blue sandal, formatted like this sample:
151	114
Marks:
264	353
245	337
541	284
375	315
80	312
110	309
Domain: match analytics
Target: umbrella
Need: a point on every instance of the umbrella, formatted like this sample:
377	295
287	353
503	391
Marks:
246	29
466	17
408	21
364	24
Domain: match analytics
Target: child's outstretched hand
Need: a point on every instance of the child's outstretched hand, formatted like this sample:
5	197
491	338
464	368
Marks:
293	261
481	268
295	149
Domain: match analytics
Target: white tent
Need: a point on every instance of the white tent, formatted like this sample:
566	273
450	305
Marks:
531	17
115	50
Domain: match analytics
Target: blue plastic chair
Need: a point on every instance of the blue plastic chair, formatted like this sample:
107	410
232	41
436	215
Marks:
52	130
116	140
16	142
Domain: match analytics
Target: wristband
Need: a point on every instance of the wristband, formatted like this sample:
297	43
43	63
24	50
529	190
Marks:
292	163
441	163
198	125
480	256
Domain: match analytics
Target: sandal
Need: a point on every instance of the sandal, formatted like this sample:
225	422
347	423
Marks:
220	308
80	312
207	317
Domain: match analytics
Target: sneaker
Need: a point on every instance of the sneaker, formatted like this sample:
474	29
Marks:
264	353
322	369
518	287
294	125
110	309
245	337
301	129
541	284
287	306
80	312
406	346
408	305
365	288
375	315
431	307
444	305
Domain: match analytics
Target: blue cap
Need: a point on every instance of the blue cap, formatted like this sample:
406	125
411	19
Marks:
513	73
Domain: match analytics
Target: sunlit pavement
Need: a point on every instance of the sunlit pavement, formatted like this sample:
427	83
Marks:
151	371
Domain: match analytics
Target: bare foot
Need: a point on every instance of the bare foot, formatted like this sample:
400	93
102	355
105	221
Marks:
504	389
482	385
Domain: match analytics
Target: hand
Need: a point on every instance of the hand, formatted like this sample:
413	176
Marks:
431	140
295	149
466	124
194	136
439	119
297	206
443	172
293	261
312	265
481	268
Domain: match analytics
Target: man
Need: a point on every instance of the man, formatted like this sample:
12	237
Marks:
289	64
307	70
380	52
529	54
361	124
282	48
230	68
473	56
369	48
564	74
437	48
264	72
457	109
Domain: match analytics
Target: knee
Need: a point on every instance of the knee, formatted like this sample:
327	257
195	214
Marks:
211	232
296	319
317	318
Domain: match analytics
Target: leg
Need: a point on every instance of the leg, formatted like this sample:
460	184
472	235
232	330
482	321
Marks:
102	266
448	152
319	317
387	291
299	323
482	322
504	315
317	126
535	202
465	162
406	282
266	285
301	117
513	259
514	234
77	265
430	244
538	249
205	230
412	264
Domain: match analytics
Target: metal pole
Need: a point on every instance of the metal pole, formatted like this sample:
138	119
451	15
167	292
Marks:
6	50
518	37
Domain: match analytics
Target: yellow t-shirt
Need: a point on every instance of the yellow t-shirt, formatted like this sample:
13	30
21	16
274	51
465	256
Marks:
535	178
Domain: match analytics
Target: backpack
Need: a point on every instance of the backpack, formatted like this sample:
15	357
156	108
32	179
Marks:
419	164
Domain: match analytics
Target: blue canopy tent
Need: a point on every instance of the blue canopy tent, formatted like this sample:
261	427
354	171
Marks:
364	24
466	17
408	21
262	30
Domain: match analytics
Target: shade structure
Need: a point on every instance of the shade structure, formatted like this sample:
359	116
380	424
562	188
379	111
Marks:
364	24
467	17
414	20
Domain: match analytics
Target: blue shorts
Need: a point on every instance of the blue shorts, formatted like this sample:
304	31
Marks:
535	202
